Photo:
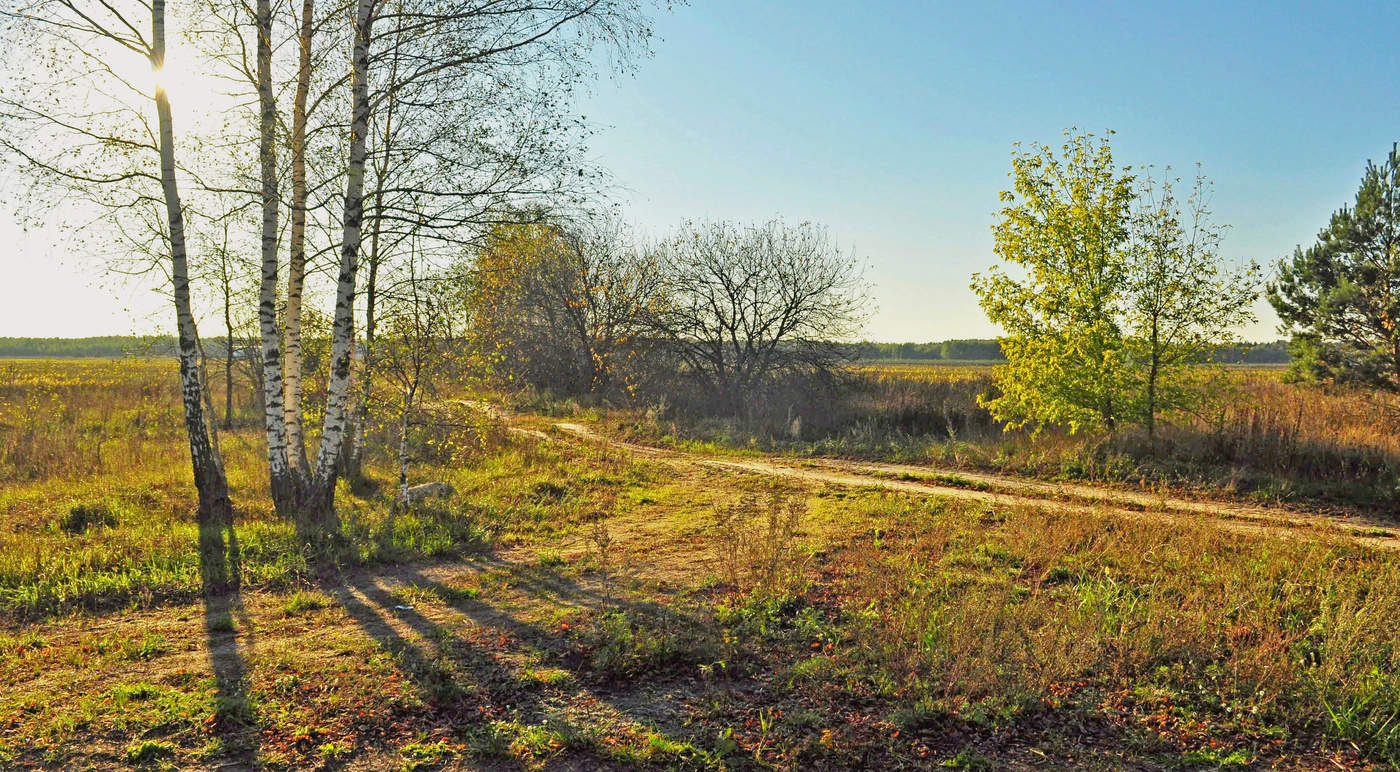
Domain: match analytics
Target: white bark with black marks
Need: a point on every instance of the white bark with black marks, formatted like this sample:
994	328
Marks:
279	470
333	430
296	269
215	510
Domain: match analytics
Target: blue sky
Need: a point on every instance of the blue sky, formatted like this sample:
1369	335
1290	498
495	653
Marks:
893	122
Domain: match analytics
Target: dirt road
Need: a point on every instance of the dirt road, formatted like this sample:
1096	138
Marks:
1002	490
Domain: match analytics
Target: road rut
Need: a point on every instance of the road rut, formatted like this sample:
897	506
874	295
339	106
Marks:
1002	490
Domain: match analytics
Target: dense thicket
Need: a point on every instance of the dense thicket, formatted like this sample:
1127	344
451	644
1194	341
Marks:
562	306
989	350
719	314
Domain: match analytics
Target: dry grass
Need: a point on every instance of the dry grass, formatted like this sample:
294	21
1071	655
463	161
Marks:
1279	419
73	419
1254	437
1246	402
642	613
97	499
994	613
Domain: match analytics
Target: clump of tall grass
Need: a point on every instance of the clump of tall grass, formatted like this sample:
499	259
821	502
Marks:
759	542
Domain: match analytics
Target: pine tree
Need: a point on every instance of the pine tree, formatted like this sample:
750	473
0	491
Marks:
1340	298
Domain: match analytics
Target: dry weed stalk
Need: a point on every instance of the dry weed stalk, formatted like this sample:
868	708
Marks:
759	541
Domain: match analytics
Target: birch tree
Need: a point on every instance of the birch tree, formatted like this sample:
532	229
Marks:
89	140
282	483
227	276
265	29
456	150
296	267
420	333
320	499
435	48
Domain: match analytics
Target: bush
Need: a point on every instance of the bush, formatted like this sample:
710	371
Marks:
81	517
758	542
626	644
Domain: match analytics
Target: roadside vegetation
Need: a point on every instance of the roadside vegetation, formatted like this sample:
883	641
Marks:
573	605
1259	437
96	496
1119	307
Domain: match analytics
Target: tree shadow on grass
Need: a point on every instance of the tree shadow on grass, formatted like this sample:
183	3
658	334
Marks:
465	676
234	724
548	584
639	636
458	679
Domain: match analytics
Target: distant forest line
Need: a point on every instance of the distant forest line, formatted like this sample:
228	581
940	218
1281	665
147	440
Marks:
962	350
99	347
989	350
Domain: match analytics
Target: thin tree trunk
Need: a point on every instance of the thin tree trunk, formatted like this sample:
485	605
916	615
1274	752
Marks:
215	510
354	454
282	483
403	448
1395	359
1152	388
228	350
322	495
296	270
208	394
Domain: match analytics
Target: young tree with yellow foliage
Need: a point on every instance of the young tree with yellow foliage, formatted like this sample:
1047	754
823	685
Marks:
1124	292
1064	225
562	306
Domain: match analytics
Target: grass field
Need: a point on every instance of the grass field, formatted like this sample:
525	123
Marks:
576	606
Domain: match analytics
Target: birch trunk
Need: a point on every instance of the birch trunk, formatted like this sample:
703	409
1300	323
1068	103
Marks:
296	269
354	453
215	510
228	350
208	393
282	484
321	502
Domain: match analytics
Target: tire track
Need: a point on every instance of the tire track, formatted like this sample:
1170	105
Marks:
1001	490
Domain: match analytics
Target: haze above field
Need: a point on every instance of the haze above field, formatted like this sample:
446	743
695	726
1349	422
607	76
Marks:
895	129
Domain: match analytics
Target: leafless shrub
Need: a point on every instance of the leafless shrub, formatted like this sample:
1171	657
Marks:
744	304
